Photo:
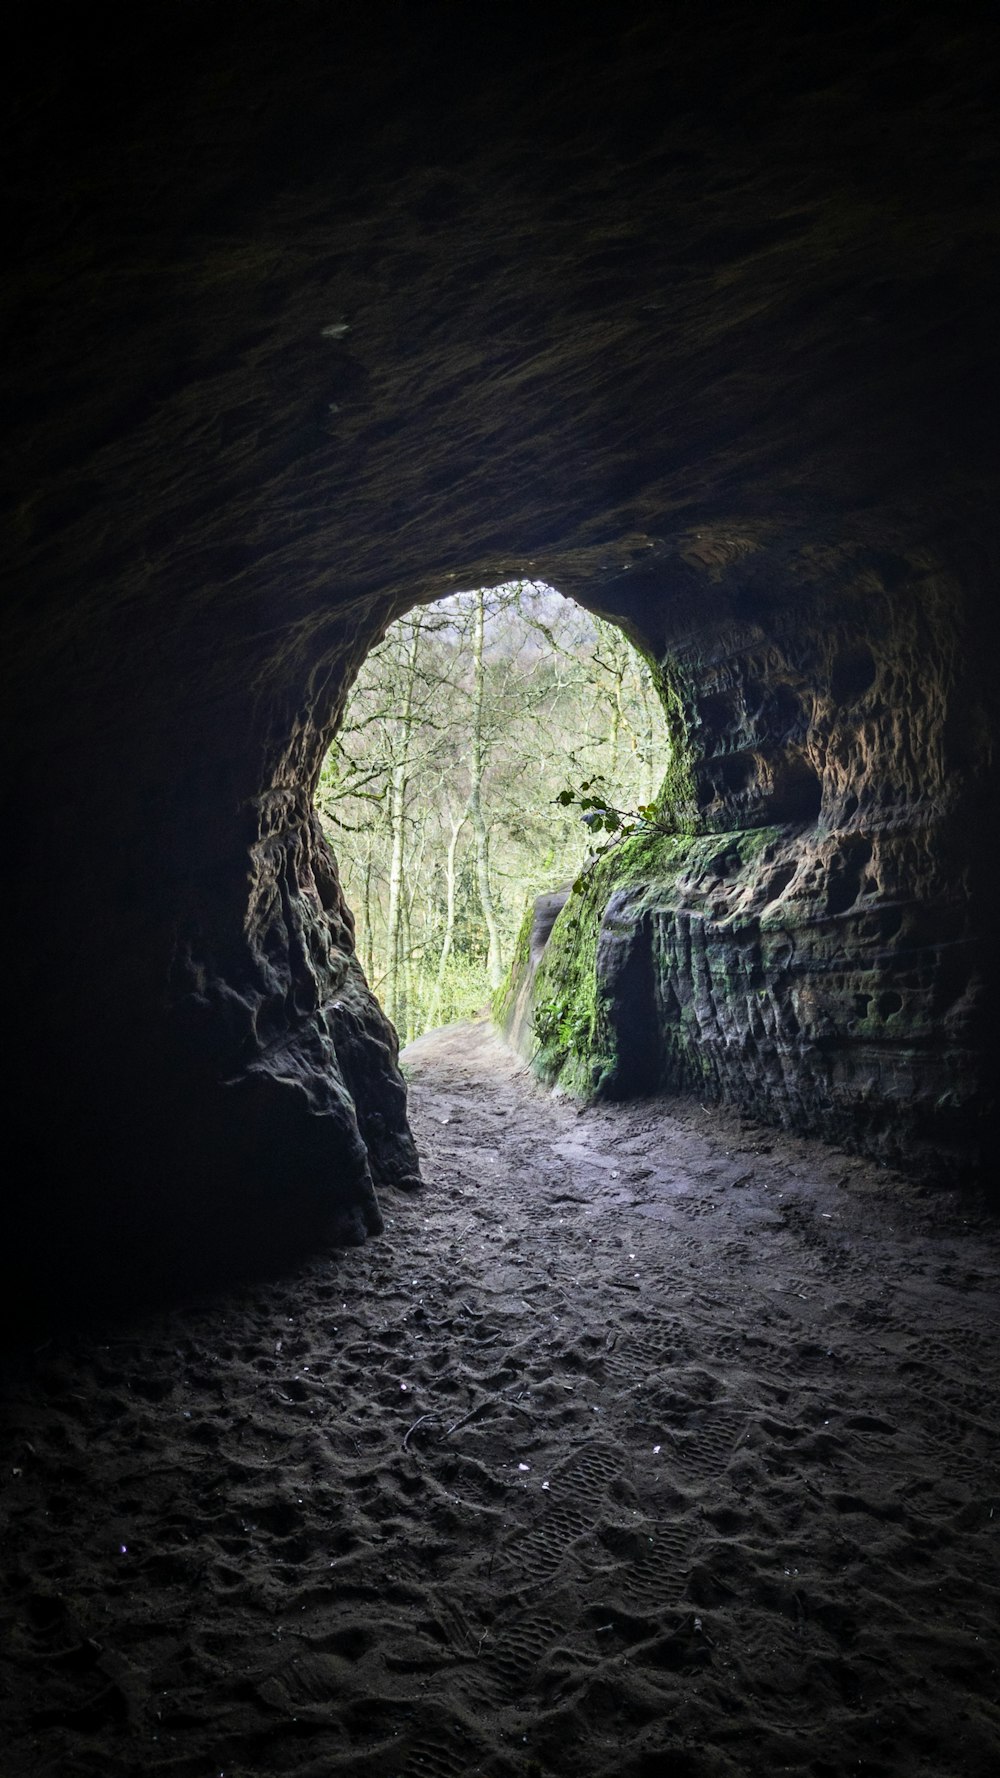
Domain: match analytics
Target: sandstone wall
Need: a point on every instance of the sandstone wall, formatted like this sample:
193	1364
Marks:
808	945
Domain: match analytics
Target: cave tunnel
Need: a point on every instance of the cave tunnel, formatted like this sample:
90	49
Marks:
314	320
731	394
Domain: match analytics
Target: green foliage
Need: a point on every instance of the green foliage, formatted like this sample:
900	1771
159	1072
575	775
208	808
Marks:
560	694
562	1026
574	1042
602	816
465	990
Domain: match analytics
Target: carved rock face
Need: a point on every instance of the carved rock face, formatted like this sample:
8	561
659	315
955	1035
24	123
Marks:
310	326
809	944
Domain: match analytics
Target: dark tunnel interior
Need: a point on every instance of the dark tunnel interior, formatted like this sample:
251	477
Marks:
318	313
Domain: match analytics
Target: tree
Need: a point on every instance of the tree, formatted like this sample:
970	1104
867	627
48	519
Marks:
440	794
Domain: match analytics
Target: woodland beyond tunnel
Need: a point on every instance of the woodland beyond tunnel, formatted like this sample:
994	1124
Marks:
704	337
493	745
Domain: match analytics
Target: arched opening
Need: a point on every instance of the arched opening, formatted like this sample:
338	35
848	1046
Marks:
492	743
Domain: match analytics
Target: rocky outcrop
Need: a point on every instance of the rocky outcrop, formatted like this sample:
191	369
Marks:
313	320
807	945
514	1003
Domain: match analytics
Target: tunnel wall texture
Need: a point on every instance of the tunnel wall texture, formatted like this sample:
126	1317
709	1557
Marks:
805	944
314	317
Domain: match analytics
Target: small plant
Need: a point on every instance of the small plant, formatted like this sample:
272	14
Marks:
546	1018
561	1026
601	816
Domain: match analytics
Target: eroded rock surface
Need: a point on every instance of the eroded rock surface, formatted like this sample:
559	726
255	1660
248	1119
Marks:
314	319
808	947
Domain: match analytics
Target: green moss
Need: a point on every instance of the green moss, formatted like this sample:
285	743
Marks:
565	1013
504	997
750	842
676	796
576	1044
573	1031
647	857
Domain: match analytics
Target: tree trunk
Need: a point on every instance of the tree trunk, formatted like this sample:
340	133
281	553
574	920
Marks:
366	939
494	964
434	1009
399	784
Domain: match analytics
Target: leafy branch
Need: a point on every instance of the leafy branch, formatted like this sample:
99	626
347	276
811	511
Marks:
602	816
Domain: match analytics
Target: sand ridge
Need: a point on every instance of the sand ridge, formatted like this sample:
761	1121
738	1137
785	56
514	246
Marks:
645	1442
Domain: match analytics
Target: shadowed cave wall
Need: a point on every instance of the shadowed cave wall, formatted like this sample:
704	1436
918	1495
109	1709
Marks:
805	944
314	319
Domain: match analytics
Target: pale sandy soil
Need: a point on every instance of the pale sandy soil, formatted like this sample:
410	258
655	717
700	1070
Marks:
644	1443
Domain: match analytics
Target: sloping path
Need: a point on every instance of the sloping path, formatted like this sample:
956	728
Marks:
645	1444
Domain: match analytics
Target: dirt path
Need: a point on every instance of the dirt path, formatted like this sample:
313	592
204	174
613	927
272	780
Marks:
643	1444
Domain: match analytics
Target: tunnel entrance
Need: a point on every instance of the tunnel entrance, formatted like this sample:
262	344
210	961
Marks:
490	743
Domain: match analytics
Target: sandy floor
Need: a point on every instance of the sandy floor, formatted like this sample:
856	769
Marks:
645	1444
